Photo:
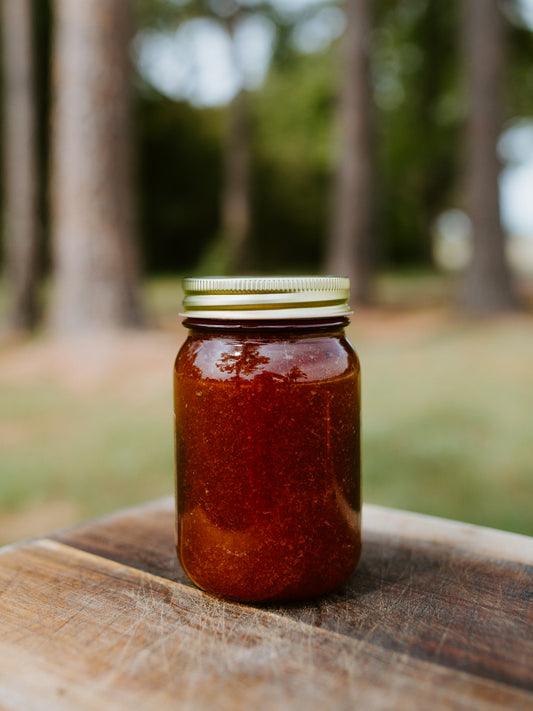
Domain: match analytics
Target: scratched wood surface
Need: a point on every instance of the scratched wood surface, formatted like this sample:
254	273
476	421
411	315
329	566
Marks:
438	615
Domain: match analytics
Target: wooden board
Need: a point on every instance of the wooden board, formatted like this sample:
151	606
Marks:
102	617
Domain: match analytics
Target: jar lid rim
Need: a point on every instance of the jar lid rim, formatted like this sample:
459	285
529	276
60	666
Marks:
263	284
265	297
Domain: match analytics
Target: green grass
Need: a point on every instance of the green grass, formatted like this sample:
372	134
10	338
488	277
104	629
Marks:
447	423
98	450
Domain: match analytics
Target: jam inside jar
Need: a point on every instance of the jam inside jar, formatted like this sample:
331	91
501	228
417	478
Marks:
267	433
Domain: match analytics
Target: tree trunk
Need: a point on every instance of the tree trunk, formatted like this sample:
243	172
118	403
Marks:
487	285
93	217
349	248
236	217
20	164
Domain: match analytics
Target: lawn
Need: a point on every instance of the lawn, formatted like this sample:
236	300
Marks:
86	427
447	420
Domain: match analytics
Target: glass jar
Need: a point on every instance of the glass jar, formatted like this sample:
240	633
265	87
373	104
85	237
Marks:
267	434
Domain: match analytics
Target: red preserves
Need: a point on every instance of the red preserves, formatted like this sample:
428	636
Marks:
268	457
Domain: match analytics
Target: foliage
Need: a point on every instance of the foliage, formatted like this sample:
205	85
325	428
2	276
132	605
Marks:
179	176
419	116
419	112
519	76
293	162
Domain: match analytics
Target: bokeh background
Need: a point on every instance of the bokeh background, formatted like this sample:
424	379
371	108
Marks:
142	140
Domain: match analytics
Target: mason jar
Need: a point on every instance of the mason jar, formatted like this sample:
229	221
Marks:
267	438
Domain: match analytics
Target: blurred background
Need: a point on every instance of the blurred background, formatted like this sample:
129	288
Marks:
390	141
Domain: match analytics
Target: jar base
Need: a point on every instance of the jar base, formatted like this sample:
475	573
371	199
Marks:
296	591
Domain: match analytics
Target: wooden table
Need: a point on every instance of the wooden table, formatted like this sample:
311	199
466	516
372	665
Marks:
438	615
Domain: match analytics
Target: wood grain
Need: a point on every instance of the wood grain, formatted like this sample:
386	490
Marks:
102	617
443	603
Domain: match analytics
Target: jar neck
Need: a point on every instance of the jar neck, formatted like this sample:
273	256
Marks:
301	325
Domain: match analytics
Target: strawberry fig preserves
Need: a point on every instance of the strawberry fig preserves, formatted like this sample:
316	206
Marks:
267	432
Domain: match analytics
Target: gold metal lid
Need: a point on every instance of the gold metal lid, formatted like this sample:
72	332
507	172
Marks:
266	297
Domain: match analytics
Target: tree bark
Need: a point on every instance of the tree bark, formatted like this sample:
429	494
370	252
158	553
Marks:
236	212
20	164
487	284
94	236
236	217
349	250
